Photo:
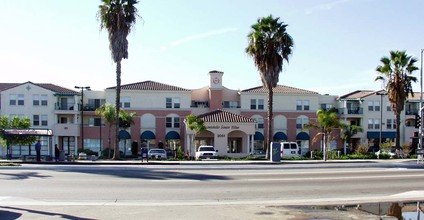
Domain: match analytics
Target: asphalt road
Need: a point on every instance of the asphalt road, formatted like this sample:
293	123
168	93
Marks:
212	190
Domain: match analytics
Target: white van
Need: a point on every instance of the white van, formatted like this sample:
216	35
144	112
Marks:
290	149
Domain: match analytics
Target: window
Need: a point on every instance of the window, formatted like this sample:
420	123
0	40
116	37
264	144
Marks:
173	103
260	122
305	105
260	104
370	124
21	99
44	100
126	102
389	107
376	123
44	120
256	104
94	121
377	106
172	122
302	105
301	122
35	100
96	103
389	124
12	99
370	106
299	105
230	104
36	120
253	104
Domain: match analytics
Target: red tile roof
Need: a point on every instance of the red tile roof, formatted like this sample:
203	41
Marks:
224	116
358	94
48	86
149	85
279	89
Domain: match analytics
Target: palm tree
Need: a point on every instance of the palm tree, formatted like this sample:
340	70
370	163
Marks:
327	122
269	45
395	72
107	112
118	18
348	132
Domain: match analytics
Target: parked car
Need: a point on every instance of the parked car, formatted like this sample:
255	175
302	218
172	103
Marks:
157	154
206	152
290	149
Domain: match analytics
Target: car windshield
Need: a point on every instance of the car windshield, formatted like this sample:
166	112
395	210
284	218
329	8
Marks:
207	149
157	151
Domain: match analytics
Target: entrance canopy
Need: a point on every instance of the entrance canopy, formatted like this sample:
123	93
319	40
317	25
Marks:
124	135
302	136
258	136
28	132
172	135
280	136
147	135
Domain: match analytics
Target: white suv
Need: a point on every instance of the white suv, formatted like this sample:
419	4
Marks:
206	152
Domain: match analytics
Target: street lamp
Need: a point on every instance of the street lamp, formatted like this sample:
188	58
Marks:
381	94
420	135
82	112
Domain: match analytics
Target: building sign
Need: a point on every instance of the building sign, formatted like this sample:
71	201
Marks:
223	127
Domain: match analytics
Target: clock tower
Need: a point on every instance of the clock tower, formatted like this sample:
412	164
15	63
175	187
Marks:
215	89
216	79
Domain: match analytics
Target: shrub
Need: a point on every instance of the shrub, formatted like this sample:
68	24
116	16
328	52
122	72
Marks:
89	152
180	154
384	156
362	149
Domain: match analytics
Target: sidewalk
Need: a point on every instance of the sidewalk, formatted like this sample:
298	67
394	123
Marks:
210	162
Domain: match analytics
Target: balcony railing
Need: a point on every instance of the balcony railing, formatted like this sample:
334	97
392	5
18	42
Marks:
64	106
351	111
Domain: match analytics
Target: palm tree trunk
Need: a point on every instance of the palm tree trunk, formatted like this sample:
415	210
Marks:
397	130
325	147
116	155
268	137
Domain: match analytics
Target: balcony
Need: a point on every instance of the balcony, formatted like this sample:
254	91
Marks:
351	111
67	129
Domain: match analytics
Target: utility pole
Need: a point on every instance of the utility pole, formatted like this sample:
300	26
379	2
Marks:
420	129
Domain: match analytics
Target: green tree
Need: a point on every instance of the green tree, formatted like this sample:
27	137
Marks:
118	17
269	45
348	132
15	123
327	122
107	112
395	72
125	121
196	125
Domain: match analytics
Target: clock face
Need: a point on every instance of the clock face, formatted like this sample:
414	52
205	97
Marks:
215	80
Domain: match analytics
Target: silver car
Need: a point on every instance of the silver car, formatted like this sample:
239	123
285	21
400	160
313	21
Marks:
157	154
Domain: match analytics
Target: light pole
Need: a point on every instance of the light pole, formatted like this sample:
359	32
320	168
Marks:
381	94
82	112
420	135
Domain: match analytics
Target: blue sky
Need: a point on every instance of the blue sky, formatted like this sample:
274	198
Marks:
338	43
